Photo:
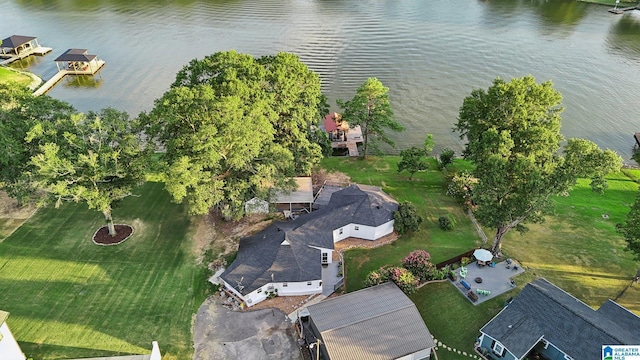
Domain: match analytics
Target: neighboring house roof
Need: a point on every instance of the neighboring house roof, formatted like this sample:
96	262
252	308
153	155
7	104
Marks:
302	194
75	55
266	257
544	310
379	322
15	41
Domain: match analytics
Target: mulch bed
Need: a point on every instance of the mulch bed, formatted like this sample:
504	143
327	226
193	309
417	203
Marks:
102	237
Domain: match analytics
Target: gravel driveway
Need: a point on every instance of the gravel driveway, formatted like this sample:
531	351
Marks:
220	333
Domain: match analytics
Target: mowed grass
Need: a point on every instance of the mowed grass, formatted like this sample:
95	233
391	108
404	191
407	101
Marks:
7	75
576	249
427	191
69	298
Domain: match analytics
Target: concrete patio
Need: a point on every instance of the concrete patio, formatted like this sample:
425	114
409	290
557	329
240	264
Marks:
496	280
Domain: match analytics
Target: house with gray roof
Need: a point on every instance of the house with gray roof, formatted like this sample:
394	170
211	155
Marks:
376	323
545	320
290	258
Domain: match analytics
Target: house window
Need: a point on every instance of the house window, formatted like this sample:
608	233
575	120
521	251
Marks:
340	231
498	349
325	258
356	228
309	283
259	290
285	284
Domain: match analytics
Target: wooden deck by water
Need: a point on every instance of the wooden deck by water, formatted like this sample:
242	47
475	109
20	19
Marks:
9	58
354	137
62	73
619	11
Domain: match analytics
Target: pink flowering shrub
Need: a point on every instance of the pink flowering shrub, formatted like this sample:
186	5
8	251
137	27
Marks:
400	276
419	263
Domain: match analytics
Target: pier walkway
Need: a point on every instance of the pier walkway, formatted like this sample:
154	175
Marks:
62	73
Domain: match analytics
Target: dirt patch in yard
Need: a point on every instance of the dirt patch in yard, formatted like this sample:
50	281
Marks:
221	236
319	177
10	209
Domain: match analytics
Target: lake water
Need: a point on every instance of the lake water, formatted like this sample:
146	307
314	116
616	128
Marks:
430	53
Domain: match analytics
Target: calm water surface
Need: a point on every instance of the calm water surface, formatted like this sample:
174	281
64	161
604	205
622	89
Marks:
430	53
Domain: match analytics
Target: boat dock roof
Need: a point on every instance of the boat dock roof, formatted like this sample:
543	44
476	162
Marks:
75	55
15	41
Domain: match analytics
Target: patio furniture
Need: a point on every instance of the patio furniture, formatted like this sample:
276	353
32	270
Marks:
493	264
466	286
471	295
483	292
463	272
478	280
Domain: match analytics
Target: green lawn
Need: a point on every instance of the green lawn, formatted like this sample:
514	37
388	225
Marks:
576	249
7	75
70	298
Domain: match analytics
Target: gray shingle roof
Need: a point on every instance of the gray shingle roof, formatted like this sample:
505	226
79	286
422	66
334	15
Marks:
75	55
16	40
261	255
379	322
544	310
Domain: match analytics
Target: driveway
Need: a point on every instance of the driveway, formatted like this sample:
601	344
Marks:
221	333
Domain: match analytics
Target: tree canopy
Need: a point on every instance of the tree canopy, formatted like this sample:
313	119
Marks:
95	158
234	126
370	108
513	137
19	111
630	229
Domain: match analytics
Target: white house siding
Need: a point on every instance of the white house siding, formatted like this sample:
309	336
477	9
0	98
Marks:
9	348
292	289
384	229
362	232
329	253
418	355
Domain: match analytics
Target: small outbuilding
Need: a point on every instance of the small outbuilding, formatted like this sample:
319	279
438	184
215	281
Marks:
256	206
299	199
376	323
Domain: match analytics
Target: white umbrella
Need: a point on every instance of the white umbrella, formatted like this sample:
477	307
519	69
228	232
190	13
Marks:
483	255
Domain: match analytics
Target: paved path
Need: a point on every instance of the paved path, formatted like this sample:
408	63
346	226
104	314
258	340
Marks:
220	333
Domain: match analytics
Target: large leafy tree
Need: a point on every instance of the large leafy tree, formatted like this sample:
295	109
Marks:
370	108
95	158
289	91
234	126
19	111
630	229
513	138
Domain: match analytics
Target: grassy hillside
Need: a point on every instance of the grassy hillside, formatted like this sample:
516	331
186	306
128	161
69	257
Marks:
7	75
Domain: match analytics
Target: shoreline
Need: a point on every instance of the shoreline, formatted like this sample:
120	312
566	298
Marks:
622	4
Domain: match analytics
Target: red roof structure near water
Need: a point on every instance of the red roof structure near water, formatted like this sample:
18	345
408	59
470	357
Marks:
330	122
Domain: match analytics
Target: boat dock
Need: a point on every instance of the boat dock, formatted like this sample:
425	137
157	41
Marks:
18	47
353	137
72	62
62	73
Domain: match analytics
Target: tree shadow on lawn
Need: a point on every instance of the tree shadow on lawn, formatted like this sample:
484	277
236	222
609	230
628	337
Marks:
33	349
142	290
